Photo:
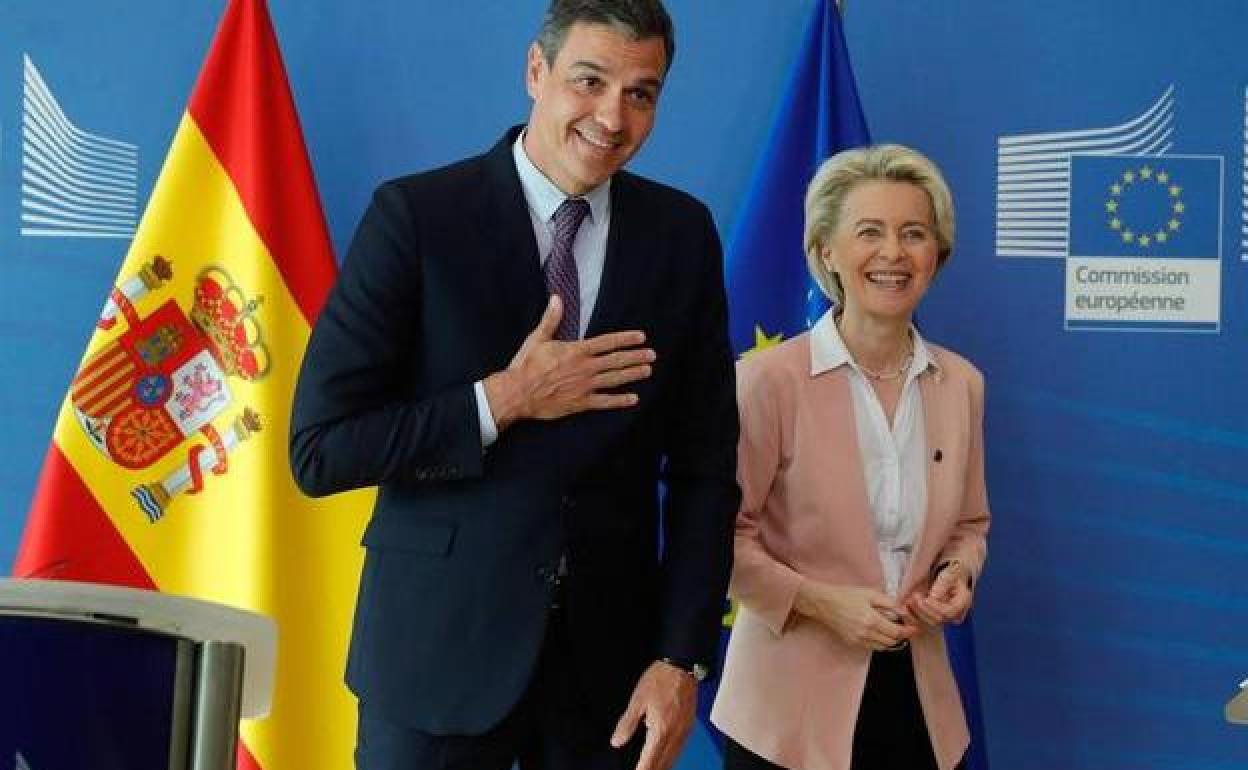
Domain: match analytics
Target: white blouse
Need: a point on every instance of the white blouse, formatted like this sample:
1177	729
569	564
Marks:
894	458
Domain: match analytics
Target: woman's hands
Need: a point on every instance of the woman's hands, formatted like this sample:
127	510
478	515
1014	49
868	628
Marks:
862	617
867	618
947	600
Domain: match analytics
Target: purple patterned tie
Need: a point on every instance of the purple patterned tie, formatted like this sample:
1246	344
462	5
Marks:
562	277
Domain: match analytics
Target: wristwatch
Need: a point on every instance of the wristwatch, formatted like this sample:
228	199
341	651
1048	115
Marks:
698	671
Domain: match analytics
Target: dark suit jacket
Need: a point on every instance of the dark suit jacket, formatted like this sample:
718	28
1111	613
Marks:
440	287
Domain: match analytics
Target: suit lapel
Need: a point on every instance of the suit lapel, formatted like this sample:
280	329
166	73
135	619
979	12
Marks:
627	261
513	262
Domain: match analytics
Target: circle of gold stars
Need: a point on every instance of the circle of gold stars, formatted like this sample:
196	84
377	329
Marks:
1144	238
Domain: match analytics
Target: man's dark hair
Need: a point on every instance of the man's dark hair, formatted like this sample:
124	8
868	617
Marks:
637	19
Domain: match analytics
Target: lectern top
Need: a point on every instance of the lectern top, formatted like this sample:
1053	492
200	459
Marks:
1237	709
193	619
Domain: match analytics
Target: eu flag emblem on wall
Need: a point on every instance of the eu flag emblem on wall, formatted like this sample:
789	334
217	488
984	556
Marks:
1145	246
1143	206
770	294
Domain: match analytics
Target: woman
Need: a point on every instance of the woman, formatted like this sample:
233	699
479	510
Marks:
863	518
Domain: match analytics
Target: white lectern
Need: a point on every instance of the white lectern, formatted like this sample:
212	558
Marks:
118	678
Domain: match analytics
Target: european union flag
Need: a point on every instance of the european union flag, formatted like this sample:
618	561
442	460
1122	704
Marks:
1141	206
819	115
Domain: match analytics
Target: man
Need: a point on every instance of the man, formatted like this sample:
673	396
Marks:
519	348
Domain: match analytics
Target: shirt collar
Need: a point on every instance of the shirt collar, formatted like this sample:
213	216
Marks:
828	351
544	197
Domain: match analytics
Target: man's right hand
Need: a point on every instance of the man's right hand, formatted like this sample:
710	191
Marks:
550	378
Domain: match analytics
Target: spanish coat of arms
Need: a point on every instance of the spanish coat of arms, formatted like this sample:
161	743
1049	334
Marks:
164	380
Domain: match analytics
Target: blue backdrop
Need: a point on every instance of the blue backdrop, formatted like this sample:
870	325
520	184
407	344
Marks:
1112	623
1110	626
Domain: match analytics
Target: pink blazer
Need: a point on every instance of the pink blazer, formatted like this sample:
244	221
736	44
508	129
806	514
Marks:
790	688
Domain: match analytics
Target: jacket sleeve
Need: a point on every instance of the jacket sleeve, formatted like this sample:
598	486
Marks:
356	420
699	467
760	582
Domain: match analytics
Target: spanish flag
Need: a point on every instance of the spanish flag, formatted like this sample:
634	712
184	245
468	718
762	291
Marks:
168	467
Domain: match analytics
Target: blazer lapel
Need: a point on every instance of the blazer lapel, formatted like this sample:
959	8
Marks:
941	432
513	262
855	534
627	261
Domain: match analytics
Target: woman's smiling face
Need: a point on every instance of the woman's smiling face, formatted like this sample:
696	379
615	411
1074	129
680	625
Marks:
885	249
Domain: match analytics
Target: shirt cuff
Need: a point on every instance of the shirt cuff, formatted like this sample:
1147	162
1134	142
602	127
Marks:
489	431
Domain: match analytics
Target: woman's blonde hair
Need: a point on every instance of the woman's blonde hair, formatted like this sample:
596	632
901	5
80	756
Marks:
841	173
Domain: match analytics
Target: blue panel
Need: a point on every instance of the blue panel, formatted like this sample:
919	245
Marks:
81	695
1111	619
1145	206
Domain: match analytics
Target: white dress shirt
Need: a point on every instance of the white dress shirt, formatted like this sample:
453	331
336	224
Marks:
894	458
590	249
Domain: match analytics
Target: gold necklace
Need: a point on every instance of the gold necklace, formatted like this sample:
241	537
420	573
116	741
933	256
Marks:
885	376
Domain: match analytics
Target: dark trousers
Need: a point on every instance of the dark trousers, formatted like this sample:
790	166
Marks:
549	729
891	733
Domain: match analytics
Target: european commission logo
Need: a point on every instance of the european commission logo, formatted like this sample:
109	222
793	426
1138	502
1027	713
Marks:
1139	228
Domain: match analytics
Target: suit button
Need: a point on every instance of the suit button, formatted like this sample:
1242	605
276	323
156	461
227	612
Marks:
548	575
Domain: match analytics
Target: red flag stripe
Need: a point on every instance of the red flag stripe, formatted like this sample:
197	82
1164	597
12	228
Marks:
245	760
243	106
95	553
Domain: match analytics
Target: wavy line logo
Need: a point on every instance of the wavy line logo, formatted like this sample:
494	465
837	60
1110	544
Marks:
1139	227
1033	176
75	184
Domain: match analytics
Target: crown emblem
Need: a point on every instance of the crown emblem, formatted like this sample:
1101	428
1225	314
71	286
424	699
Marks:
227	318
